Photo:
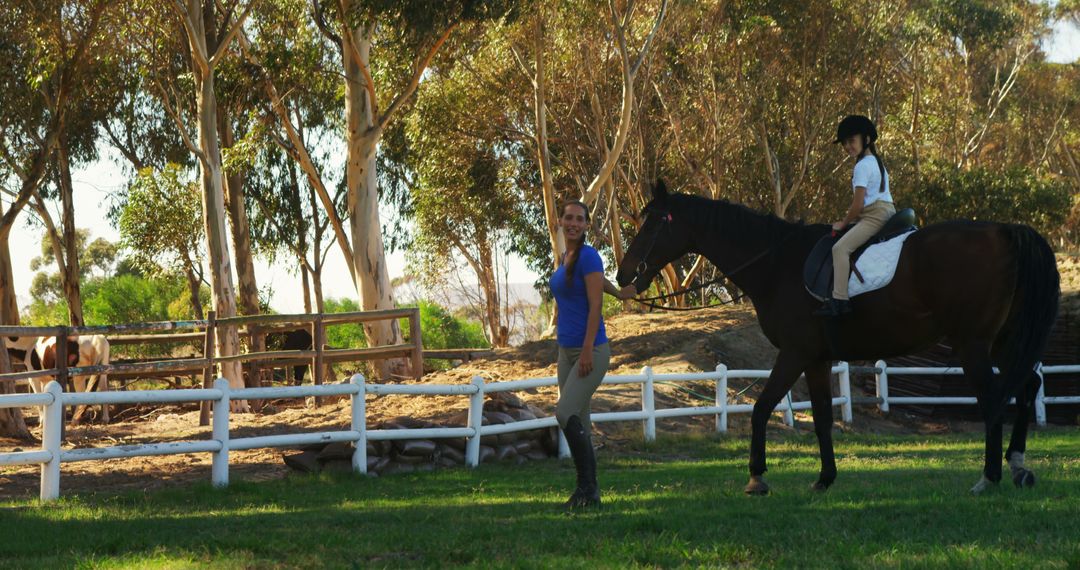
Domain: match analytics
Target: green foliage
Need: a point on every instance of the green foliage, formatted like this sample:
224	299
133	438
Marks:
124	298
347	335
443	330
96	258
160	224
1014	194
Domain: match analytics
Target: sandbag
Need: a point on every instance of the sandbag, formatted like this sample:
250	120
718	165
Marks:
304	462
505	452
337	450
537	455
337	466
395	467
457	443
413	459
523	446
495	417
521	414
444	461
381	463
487	453
417	447
449	452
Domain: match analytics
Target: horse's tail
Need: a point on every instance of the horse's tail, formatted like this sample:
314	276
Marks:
1034	308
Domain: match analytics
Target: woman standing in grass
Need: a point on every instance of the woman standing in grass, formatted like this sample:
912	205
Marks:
578	286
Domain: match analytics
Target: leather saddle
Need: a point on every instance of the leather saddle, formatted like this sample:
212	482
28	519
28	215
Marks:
818	269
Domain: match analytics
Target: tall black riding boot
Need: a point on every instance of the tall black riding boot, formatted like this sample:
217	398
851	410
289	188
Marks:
587	493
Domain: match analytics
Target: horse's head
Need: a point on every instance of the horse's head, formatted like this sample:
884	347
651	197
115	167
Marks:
660	240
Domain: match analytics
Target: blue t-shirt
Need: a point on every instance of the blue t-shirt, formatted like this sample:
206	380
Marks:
573	302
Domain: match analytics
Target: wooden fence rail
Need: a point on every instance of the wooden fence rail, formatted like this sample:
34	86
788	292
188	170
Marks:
207	330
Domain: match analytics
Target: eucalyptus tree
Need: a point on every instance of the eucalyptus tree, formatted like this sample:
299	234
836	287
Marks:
51	52
159	225
464	192
208	28
406	36
296	148
47	49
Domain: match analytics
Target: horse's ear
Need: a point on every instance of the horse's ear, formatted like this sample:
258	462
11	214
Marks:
659	190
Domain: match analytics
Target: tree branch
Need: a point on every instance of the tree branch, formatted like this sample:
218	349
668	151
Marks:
415	80
224	45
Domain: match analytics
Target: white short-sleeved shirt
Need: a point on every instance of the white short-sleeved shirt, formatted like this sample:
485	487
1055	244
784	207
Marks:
868	176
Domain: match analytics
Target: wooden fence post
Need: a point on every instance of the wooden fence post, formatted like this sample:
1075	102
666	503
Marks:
208	370
318	337
418	344
61	359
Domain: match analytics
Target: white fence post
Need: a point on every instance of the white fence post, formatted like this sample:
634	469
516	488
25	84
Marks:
476	420
220	465
359	424
721	398
845	391
648	404
1040	398
50	441
882	380
789	412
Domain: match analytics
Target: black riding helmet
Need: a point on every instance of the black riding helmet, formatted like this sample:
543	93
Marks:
856	125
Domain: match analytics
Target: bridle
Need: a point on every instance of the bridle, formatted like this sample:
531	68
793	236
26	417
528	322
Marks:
643	267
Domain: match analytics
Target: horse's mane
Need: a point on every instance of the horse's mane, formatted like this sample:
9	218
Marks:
733	219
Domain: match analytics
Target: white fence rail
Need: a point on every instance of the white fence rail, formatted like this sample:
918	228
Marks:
54	400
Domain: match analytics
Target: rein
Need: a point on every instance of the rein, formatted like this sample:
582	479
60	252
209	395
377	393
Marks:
643	266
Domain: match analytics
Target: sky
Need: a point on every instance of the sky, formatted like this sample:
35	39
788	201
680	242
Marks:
95	182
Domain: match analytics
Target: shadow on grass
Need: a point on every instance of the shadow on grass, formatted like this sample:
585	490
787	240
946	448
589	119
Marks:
898	501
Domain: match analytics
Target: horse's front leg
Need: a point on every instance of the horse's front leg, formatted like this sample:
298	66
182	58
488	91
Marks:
817	377
785	372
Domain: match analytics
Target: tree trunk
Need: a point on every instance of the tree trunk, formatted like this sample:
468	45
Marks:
241	236
489	284
551	214
193	290
9	305
368	254
213	198
11	419
69	262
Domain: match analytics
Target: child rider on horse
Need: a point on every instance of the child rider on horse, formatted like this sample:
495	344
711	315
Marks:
871	206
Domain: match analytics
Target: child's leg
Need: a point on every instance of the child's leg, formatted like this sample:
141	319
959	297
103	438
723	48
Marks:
873	218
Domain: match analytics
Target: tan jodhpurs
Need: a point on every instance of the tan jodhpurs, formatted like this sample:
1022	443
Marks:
575	391
871	220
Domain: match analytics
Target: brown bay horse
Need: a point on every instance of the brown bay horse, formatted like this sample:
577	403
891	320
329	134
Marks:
989	290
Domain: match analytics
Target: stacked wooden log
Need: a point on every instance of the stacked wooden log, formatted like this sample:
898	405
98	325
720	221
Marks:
410	455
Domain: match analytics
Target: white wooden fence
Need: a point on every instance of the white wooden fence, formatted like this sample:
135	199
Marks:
54	400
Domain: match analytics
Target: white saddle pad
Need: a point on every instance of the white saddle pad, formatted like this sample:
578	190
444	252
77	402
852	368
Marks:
877	265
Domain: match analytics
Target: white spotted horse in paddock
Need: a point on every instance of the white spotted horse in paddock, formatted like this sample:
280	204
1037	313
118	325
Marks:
990	290
39	353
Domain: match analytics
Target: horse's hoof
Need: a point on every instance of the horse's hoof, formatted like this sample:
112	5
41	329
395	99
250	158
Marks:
820	486
982	485
1023	478
757	487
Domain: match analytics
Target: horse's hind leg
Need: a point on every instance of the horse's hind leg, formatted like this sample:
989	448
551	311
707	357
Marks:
785	372
1025	408
979	370
817	378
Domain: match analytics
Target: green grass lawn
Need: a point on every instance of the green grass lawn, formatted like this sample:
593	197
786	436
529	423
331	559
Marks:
899	501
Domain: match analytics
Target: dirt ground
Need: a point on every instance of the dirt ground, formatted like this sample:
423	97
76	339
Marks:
669	342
